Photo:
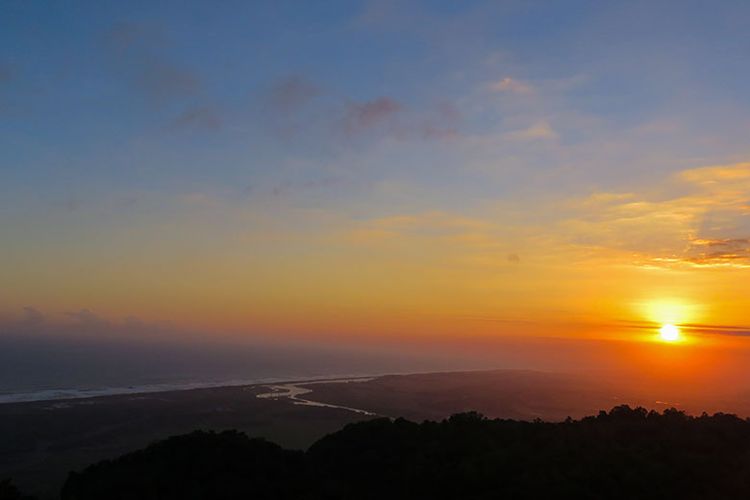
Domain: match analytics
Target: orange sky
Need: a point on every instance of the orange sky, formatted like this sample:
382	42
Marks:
572	267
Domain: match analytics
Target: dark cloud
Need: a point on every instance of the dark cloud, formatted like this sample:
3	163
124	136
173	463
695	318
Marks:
87	318
734	331
32	323
713	258
288	187
442	123
291	93
133	322
294	111
727	251
389	116
692	328
32	317
128	201
513	258
431	131
163	80
289	109
361	116
729	242
138	53
204	117
7	73
248	190
126	35
69	205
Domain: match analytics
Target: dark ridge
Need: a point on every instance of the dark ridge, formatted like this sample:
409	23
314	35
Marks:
624	453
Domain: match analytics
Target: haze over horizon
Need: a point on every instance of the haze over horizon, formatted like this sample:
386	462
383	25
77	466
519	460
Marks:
373	186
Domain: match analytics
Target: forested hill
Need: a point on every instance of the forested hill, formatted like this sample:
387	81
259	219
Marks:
625	453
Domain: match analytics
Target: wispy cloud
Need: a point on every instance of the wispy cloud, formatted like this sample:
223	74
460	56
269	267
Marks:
289	187
511	85
541	130
698	218
427	224
718	176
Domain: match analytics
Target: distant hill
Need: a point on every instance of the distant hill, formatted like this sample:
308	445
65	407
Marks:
624	453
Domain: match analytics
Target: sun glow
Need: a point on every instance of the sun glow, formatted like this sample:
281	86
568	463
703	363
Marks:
665	316
669	333
671	312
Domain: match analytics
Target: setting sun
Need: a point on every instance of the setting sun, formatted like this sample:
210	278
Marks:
669	333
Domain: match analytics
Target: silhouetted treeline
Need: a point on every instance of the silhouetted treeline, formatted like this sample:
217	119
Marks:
8	491
626	453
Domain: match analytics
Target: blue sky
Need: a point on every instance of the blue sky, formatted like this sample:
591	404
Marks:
152	93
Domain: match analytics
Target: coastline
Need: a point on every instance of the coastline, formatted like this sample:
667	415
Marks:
77	394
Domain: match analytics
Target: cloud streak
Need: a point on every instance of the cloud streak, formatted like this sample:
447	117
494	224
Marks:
696	218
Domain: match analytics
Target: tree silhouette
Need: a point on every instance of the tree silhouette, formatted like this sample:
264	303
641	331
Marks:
624	453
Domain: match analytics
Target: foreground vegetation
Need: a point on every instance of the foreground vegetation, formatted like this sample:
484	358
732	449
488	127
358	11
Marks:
625	453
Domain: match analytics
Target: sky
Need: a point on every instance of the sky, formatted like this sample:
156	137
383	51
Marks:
375	173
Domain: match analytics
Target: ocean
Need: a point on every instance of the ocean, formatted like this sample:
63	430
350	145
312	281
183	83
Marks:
35	368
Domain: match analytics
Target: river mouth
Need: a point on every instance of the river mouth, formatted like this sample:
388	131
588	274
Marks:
294	391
